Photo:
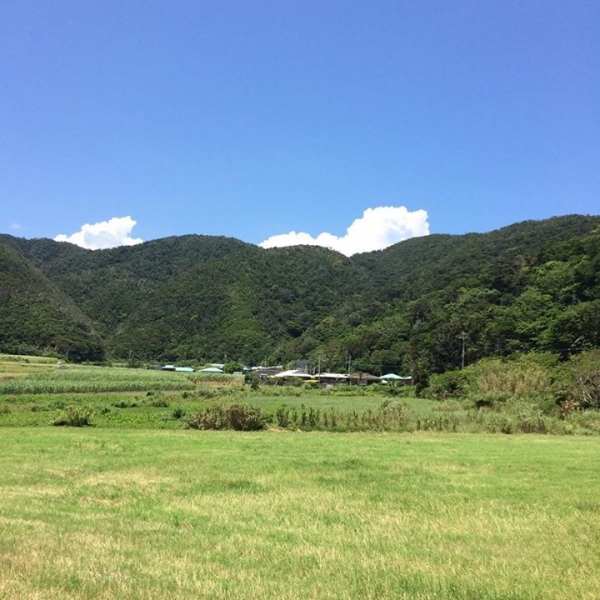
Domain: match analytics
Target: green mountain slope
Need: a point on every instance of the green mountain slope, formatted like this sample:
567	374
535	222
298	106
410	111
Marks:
196	296
530	286
411	307
36	316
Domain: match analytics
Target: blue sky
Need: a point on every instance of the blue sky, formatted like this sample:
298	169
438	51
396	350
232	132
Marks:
253	119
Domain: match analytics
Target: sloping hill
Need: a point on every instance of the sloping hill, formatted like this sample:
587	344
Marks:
196	296
491	291
35	315
530	286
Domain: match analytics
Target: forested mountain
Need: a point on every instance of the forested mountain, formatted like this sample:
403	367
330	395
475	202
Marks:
36	315
412	307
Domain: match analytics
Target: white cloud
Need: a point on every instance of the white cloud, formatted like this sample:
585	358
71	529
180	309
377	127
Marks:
378	228
106	234
16	226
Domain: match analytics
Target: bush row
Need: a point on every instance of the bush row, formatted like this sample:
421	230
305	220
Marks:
393	416
561	387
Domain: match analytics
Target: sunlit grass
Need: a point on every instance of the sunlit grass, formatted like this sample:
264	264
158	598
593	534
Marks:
94	380
132	515
27	359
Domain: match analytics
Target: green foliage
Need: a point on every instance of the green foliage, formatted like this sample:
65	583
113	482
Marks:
422	306
37	317
452	384
253	380
519	378
178	413
390	416
94	380
239	417
74	416
582	379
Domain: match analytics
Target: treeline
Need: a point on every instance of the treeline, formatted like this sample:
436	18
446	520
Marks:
423	306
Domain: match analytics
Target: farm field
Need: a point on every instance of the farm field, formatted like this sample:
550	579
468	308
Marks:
415	499
35	394
40	394
162	410
129	514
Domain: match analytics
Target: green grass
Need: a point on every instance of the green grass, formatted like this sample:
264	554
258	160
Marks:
12	366
155	409
101	514
27	359
171	409
125	510
95	380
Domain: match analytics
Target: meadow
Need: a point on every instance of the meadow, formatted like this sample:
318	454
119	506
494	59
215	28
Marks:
99	514
413	505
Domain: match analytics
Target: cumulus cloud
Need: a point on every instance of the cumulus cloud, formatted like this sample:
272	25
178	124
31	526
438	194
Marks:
378	228
16	226
106	234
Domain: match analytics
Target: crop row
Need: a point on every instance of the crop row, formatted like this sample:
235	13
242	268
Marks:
95	380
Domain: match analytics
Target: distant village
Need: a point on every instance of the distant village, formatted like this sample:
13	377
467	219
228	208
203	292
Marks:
277	375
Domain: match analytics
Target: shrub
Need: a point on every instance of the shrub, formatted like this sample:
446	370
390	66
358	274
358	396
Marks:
492	400
239	417
578	382
520	378
233	367
587	387
532	423
567	407
501	424
393	414
124	404
253	380
158	402
393	390
74	416
452	384
178	413
282	416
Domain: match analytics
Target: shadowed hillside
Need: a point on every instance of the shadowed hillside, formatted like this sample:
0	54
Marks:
35	315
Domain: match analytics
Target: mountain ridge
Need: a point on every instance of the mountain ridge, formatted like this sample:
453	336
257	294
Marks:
200	298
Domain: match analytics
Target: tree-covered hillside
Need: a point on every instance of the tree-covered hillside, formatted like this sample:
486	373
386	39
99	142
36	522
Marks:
35	315
529	287
197	297
412	307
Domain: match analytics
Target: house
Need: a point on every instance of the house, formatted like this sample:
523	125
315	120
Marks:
328	379
392	377
362	379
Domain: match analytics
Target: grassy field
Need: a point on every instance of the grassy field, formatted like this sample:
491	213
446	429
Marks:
12	366
120	397
137	507
99	514
95	380
35	393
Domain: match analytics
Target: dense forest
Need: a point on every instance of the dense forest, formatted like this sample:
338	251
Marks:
425	305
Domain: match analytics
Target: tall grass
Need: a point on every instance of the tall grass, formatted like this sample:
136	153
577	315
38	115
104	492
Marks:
516	379
95	380
19	358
